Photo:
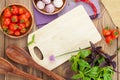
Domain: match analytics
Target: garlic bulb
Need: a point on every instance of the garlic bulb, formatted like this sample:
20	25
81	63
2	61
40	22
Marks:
47	1
58	3
50	8
40	5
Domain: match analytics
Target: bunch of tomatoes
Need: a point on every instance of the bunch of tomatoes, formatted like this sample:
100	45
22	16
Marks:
110	34
16	20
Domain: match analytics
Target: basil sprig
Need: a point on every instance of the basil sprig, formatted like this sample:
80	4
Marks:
92	64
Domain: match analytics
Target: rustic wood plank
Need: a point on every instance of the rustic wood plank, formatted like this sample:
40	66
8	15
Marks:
104	21
118	59
64	69
22	42
2	5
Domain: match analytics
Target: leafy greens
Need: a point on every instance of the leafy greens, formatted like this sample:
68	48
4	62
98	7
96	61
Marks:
92	64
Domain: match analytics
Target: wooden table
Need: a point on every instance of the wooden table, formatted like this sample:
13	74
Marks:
64	69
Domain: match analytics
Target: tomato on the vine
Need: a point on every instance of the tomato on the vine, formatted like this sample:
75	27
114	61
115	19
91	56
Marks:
106	31
109	39
115	33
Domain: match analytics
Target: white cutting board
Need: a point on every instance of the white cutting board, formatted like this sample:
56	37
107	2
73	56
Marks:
69	32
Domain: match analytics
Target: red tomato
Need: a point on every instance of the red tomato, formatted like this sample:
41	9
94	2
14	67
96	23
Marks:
6	21
17	33
13	26
115	33
109	39
21	26
14	9
7	13
27	14
11	32
106	32
23	18
23	30
27	24
14	18
5	28
20	10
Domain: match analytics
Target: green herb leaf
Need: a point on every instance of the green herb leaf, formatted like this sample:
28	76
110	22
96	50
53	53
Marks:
93	72
100	60
83	64
77	76
84	53
86	78
32	41
74	65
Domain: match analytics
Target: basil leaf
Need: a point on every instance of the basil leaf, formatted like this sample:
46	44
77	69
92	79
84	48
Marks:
84	53
86	78
93	73
77	76
101	59
83	64
75	67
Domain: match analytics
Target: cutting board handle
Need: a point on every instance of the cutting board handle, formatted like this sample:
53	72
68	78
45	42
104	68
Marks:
33	54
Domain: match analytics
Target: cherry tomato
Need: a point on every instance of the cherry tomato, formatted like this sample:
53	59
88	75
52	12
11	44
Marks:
109	39
5	28
7	13
20	10
6	21
21	26
27	14
23	18
14	18
13	26
27	24
14	9
23	30
106	32
115	33
17	33
11	32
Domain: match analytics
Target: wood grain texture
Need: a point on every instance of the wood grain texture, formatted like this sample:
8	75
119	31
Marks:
118	58
2	5
64	69
22	42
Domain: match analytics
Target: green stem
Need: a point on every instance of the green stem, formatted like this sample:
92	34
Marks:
68	53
